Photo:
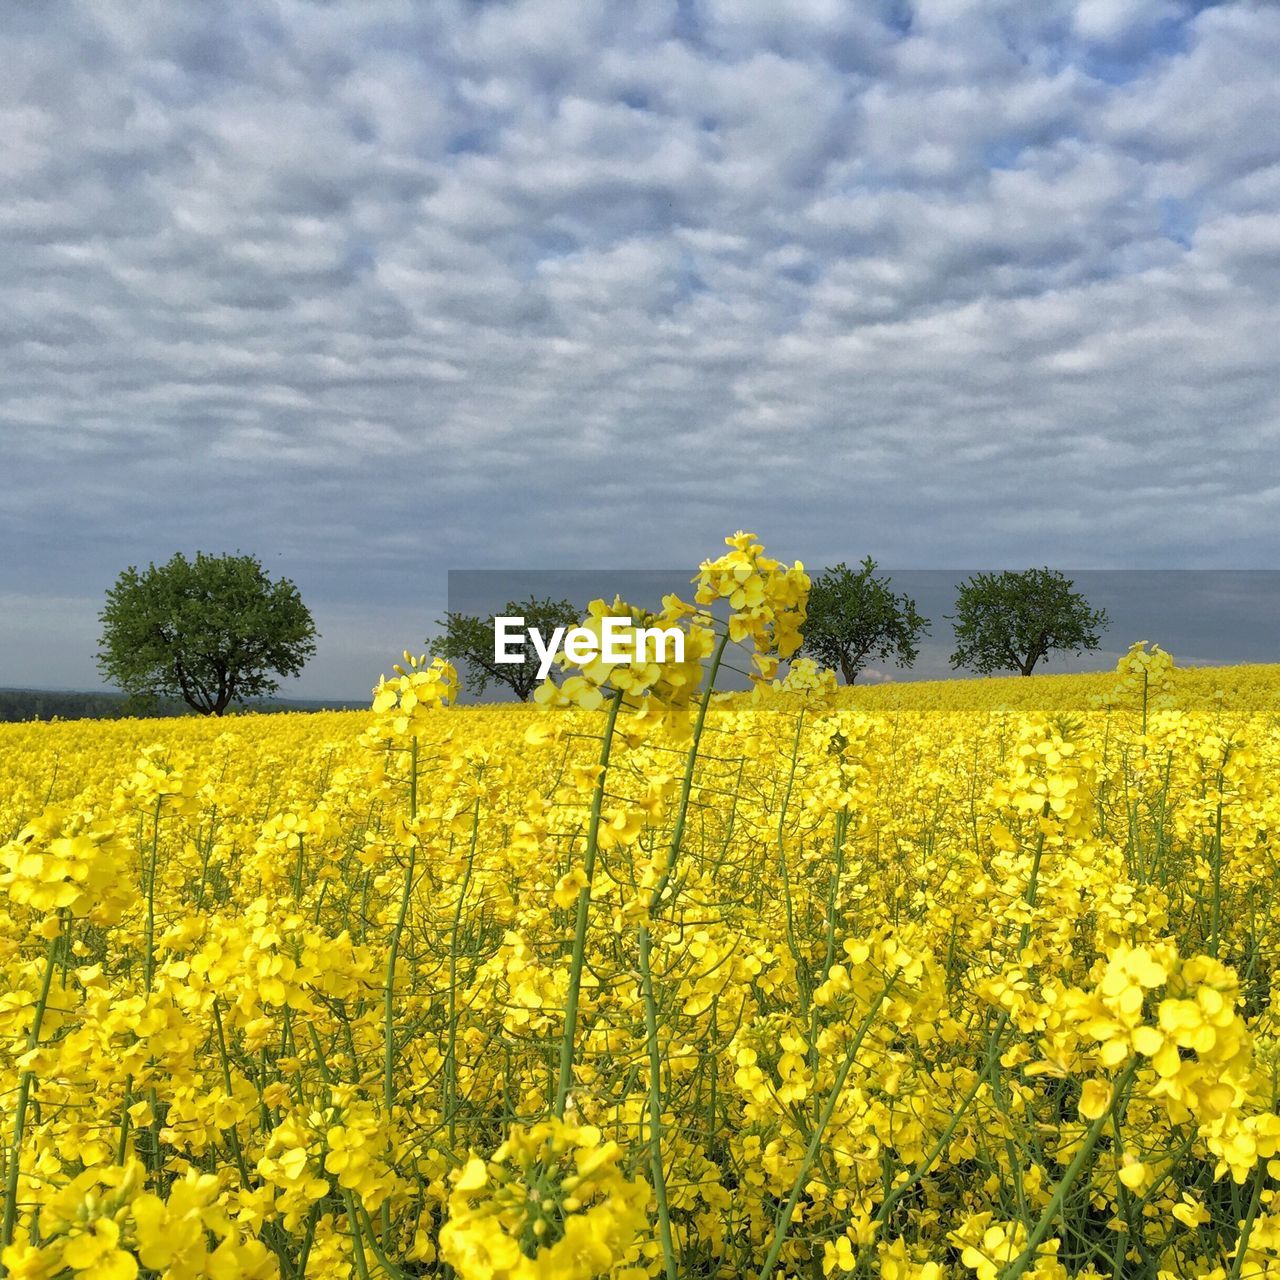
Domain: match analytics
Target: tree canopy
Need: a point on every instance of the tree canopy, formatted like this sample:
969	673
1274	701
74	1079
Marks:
1009	621
854	616
211	631
469	639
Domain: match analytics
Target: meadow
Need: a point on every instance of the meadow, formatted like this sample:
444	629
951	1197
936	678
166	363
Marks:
968	979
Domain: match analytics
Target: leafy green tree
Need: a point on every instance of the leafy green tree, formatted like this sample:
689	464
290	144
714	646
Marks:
1009	621
854	616
211	631
466	638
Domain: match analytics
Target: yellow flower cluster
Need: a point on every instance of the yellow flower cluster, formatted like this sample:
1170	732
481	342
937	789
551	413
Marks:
402	706
66	864
650	684
551	1204
931	982
766	599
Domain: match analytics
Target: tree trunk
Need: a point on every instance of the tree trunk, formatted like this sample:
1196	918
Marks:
1039	650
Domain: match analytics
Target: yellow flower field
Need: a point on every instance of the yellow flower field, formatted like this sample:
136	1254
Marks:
972	979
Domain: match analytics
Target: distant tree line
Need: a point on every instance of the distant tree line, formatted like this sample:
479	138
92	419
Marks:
216	632
59	704
17	705
1008	621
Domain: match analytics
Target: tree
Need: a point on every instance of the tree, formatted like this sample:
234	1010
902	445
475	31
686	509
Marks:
211	631
854	616
1009	621
469	639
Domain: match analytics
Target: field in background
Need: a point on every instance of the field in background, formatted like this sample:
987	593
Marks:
17	705
965	979
1248	687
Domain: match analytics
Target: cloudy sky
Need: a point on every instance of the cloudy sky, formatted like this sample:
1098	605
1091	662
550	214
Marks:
376	290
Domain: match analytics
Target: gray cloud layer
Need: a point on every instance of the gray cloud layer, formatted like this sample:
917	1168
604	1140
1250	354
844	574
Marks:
379	289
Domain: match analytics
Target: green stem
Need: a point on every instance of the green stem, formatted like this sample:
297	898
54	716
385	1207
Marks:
300	866
892	1200
393	950
451	1052
656	1170
682	811
389	995
24	1097
233	1135
148	954
1033	884
1028	1256
655	1107
833	894
578	954
1215	915
357	1238
122	1144
815	1142
802	982
1246	1227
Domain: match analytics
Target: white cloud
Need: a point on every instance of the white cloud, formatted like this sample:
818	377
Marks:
377	289
1107	21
